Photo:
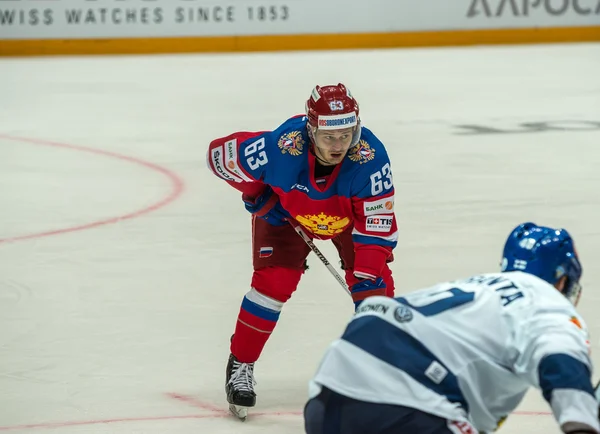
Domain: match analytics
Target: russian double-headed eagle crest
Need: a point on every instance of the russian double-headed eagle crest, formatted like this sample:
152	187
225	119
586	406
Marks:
322	224
292	143
361	153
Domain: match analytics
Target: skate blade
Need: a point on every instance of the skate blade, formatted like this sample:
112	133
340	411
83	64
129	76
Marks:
240	412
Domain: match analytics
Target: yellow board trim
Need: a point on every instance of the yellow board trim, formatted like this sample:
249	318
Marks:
213	44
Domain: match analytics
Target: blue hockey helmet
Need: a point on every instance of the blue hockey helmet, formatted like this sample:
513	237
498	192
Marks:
546	253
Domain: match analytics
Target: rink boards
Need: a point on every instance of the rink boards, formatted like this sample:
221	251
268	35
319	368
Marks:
184	26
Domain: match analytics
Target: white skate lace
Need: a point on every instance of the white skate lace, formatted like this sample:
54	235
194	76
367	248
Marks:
242	377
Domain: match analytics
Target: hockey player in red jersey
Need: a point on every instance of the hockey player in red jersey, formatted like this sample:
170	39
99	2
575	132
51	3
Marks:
329	174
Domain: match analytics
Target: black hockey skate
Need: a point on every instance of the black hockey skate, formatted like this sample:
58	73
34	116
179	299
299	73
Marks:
239	386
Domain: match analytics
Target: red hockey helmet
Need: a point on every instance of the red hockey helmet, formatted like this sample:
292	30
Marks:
333	108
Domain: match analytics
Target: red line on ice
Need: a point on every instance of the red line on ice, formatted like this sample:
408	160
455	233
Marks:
215	413
51	425
217	410
195	403
176	183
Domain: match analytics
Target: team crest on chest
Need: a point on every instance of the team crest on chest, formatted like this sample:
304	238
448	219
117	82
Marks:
323	224
293	143
361	153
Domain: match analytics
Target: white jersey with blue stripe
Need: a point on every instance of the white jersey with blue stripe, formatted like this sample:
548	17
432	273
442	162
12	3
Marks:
467	350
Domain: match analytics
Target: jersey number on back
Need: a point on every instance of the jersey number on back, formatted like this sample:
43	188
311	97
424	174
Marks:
260	160
438	302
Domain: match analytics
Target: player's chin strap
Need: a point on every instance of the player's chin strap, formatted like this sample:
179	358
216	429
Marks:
309	242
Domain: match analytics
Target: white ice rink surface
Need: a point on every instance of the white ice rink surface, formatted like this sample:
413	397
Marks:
123	261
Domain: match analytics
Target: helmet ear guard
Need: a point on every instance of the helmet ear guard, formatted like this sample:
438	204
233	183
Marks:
572	292
356	134
572	288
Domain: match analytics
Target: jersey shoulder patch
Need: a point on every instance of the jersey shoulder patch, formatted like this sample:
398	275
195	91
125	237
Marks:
292	143
368	149
362	152
291	136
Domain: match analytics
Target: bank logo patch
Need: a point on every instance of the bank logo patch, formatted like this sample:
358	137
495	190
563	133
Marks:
381	206
231	161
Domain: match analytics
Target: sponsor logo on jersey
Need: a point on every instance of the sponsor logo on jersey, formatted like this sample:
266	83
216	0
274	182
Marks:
300	187
337	122
377	308
361	153
322	224
217	159
292	143
379	223
436	372
403	314
231	163
381	206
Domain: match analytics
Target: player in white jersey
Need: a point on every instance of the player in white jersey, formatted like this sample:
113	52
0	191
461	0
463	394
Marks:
458	357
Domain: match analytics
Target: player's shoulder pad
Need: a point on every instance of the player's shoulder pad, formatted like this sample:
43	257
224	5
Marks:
369	153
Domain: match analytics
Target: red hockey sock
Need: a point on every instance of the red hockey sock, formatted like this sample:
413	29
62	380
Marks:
271	288
254	326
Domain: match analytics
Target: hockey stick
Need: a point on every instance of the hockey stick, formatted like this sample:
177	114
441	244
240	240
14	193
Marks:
320	255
